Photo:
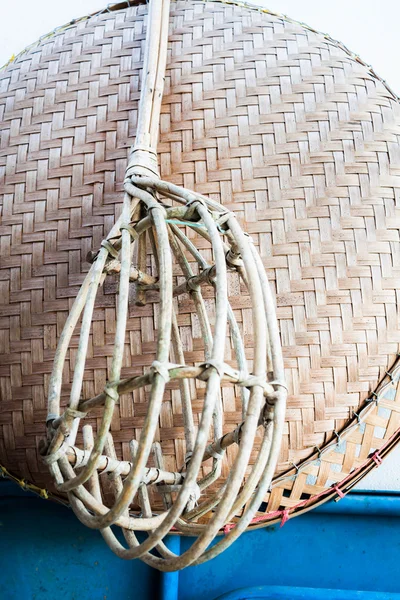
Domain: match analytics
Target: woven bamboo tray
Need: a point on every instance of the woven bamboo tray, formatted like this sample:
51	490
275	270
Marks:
280	124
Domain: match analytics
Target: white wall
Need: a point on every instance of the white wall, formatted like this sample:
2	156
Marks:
386	477
367	27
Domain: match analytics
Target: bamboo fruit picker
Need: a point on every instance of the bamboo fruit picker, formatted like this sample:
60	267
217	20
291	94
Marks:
159	213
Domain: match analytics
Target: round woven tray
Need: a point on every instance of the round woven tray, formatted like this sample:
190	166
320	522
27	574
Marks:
277	122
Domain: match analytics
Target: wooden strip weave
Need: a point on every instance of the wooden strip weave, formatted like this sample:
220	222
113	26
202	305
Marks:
276	122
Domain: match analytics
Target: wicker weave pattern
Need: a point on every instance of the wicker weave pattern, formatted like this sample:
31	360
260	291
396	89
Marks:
271	120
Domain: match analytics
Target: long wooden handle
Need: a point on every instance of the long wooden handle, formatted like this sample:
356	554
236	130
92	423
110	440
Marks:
143	154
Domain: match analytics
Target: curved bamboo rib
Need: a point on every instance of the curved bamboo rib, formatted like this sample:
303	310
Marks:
148	216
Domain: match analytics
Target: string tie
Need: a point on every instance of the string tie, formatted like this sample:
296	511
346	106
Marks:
285	517
378	460
213	363
228	527
111	390
161	369
338	491
132	232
